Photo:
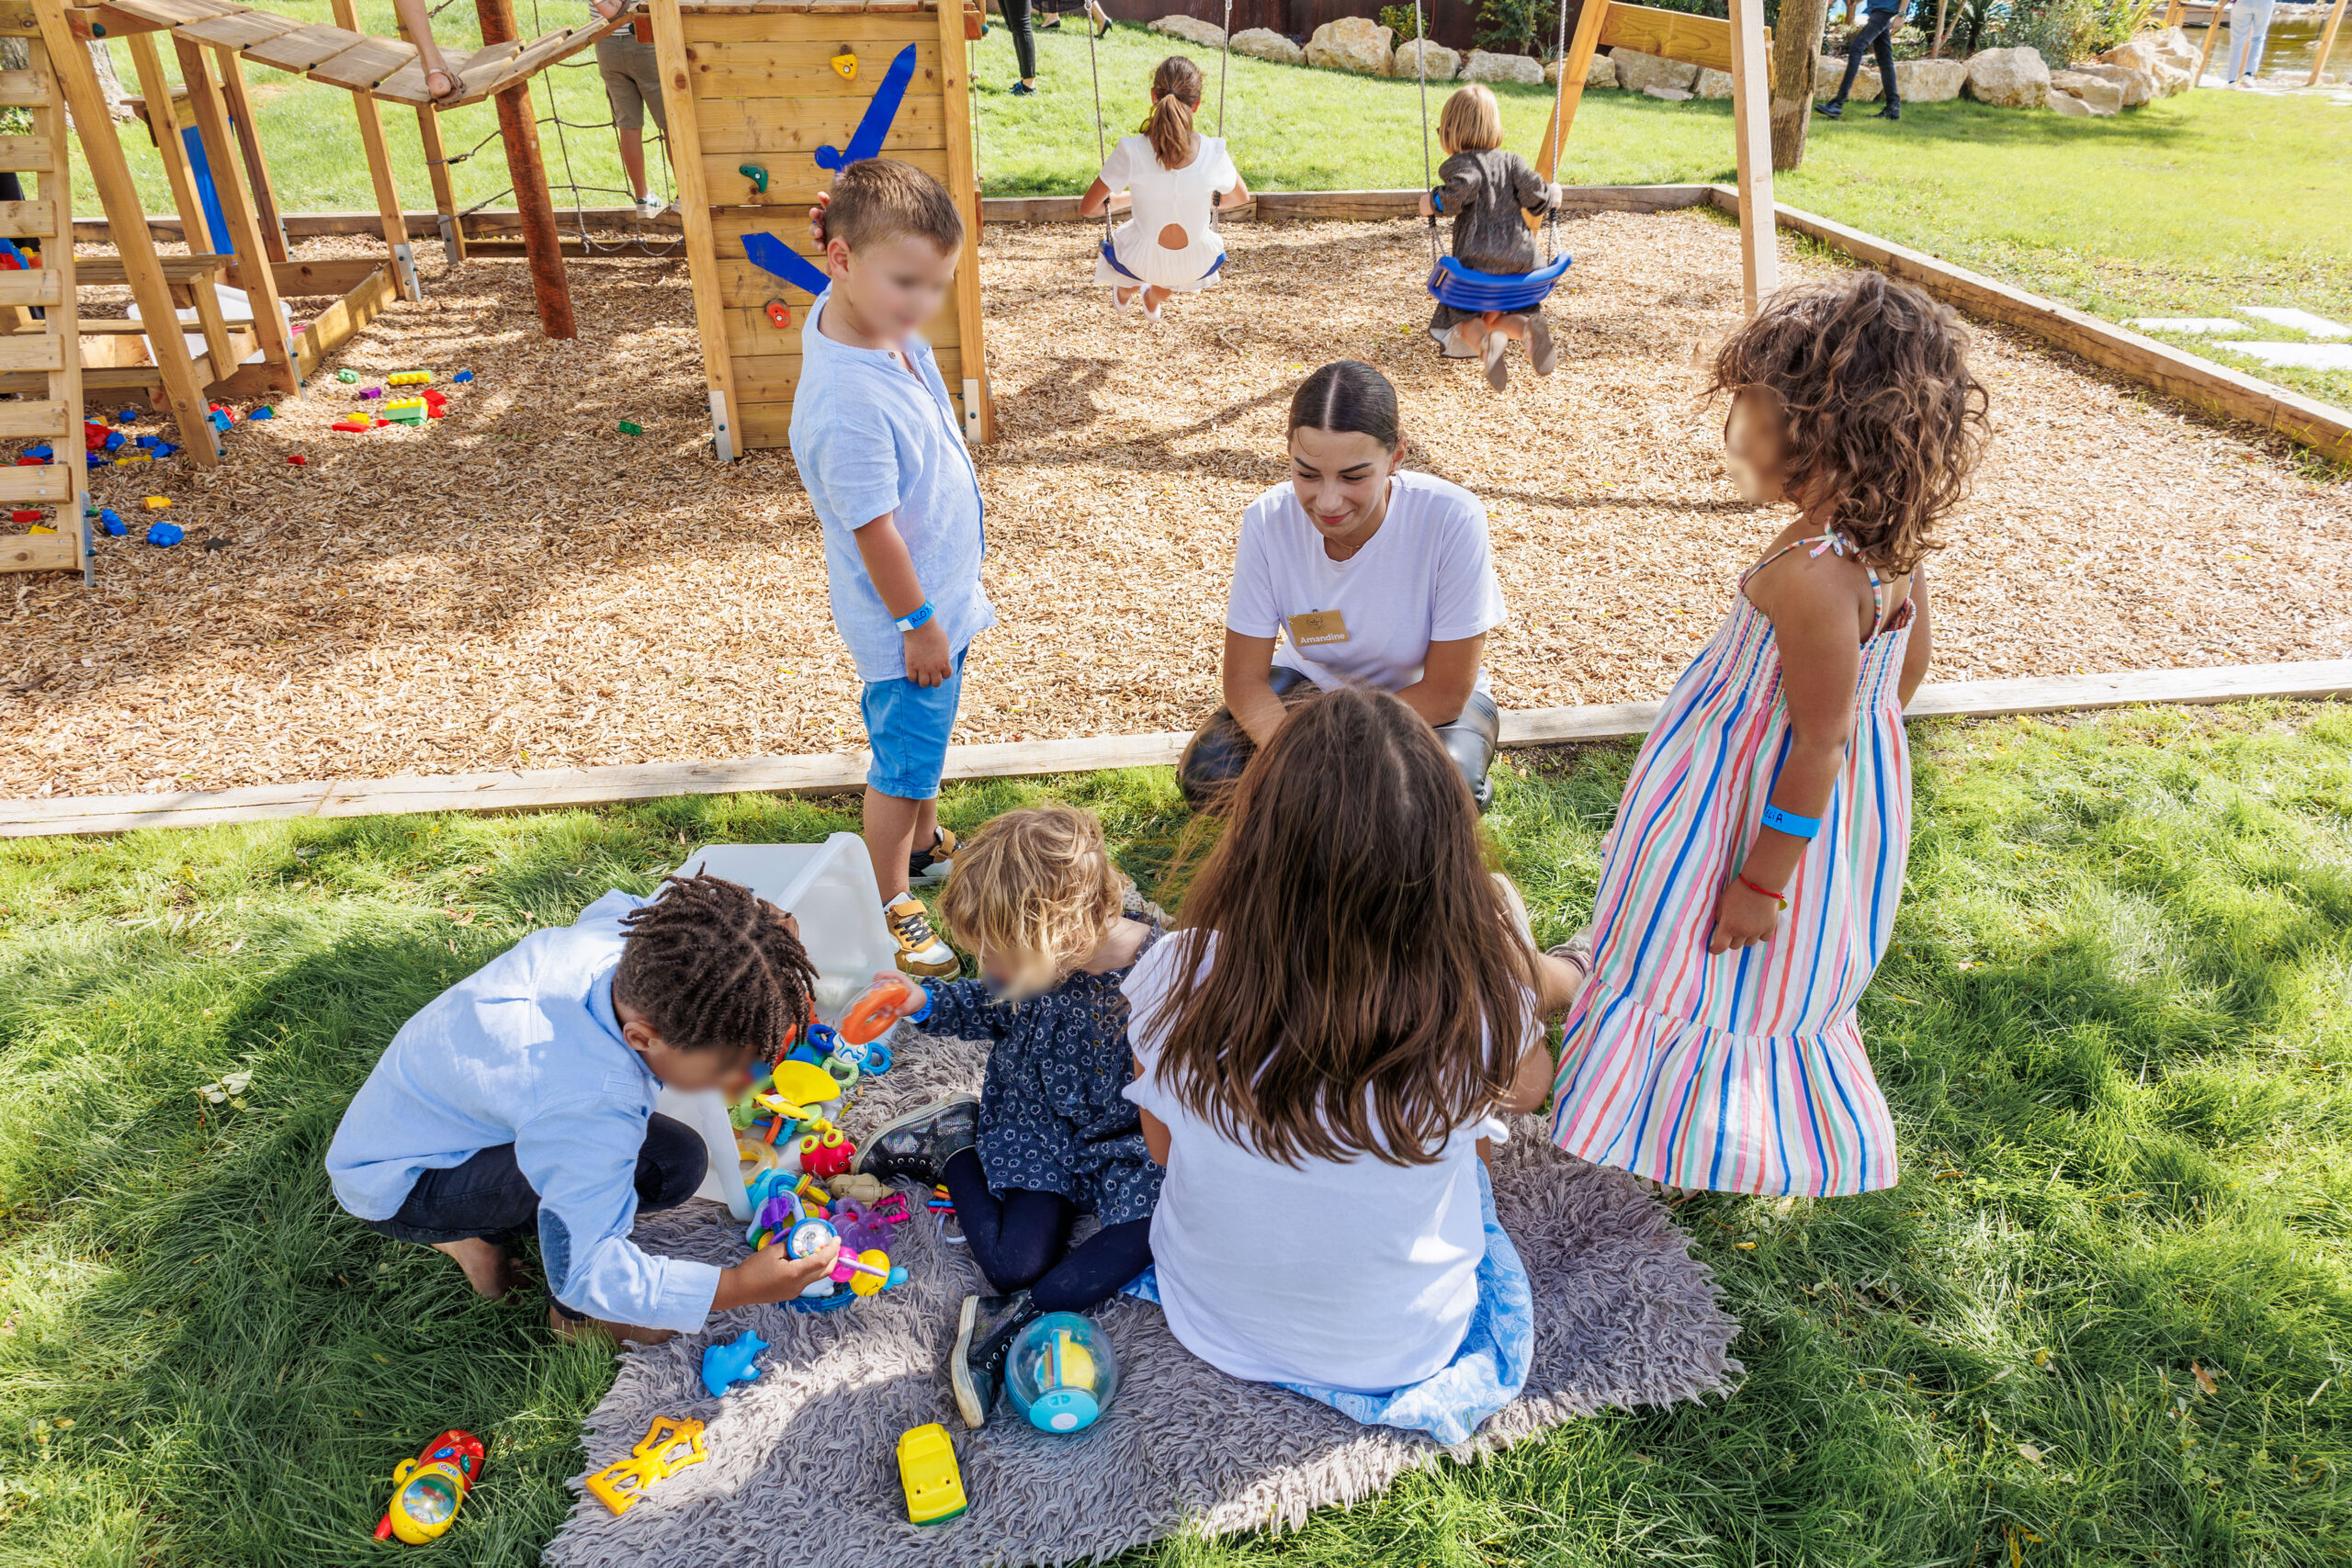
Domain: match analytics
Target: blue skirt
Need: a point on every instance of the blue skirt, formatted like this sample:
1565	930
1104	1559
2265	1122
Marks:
1485	1373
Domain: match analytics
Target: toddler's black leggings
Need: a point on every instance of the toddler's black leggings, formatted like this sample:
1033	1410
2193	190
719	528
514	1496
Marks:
1023	1239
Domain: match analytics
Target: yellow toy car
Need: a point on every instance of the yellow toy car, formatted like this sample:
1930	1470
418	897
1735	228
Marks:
927	1470
667	1448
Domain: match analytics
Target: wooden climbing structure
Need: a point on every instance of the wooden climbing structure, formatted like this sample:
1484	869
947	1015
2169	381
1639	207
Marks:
767	101
47	531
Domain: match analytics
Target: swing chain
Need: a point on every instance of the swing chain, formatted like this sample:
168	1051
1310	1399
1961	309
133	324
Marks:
1552	143
1422	57
1101	149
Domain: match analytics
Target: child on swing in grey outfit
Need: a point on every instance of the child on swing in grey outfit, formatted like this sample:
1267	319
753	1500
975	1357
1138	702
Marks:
1485	190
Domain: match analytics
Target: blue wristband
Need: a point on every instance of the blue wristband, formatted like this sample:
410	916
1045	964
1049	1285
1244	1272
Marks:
1788	822
920	613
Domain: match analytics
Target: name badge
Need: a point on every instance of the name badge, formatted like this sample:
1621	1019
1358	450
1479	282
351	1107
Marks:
1317	626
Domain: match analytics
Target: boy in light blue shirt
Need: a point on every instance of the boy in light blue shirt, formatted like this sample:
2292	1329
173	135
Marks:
522	1099
884	460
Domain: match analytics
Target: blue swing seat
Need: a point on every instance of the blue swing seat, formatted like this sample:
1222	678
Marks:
1111	256
1463	288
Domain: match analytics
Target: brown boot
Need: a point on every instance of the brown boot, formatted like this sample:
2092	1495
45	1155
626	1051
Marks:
569	1329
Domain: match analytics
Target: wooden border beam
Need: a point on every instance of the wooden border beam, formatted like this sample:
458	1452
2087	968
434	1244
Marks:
838	773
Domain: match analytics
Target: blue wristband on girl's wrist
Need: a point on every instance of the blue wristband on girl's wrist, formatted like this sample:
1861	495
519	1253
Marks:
916	618
1788	822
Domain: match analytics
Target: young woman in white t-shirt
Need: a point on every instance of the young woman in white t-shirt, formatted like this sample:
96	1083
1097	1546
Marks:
1346	1005
1354	570
1168	244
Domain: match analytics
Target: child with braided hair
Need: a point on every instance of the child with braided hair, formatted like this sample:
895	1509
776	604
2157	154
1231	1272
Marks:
522	1099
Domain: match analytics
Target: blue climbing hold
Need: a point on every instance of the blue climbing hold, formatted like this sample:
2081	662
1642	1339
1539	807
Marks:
111	520
165	533
730	1363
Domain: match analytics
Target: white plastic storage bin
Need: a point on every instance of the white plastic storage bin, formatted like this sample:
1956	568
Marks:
830	888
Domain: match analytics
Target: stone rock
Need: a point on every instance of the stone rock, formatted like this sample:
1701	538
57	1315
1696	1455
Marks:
2103	97
1830	69
1671	94
1484	65
2066	103
1929	81
1637	71
2138	86
1602	72
1712	84
2012	78
1353	44
2174	48
2165	57
2139	54
1265	43
1192	29
2172	80
1443	61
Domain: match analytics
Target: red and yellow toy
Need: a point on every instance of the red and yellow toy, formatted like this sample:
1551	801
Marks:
427	1489
667	1448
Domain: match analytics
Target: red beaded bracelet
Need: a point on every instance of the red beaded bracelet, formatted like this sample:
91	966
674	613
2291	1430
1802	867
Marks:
1781	899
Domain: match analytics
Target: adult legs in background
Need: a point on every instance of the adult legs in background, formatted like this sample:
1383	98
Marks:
2245	43
632	77
1883	52
474	1210
1873	35
1024	41
417	22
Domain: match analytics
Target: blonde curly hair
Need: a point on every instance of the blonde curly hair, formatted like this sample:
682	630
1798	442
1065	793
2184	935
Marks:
1036	891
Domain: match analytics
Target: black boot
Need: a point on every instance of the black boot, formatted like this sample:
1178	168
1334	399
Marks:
1894	110
984	1336
1833	109
917	1147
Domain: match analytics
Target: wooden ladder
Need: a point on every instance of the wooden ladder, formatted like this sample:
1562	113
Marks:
62	485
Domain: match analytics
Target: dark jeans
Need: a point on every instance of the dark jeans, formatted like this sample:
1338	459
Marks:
1022	1240
488	1197
1873	37
1220	749
1024	36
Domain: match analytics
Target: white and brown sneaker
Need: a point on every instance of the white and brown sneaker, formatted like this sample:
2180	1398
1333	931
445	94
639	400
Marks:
919	950
933	863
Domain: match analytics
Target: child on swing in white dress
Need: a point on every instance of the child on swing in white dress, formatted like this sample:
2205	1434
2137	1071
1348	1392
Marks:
1168	244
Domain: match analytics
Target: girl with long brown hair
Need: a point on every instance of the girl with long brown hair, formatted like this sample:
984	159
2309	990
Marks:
1751	883
1177	178
1349	1003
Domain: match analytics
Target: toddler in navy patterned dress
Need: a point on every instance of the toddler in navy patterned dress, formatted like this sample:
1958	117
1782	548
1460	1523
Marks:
1035	895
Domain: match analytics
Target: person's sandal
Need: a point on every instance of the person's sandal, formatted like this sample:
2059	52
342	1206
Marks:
1576	953
1498	373
1542	352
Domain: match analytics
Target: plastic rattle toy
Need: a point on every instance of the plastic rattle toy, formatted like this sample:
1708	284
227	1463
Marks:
867	1273
731	1362
927	1472
1061	1374
668	1447
427	1489
827	1154
883	1005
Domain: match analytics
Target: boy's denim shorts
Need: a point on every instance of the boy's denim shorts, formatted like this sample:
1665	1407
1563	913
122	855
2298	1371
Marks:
908	725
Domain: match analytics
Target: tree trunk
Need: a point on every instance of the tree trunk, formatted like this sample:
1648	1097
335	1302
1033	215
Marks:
1795	58
109	84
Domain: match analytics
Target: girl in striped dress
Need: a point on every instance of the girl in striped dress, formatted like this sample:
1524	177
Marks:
1751	879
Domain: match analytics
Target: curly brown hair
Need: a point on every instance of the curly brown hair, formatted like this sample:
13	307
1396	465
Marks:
1882	419
714	966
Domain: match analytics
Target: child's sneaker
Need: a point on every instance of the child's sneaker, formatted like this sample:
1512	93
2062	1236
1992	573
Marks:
917	1147
932	865
1498	373
1542	352
984	1335
919	950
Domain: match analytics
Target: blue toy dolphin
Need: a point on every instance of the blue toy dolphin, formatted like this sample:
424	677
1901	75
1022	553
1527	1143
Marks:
730	1363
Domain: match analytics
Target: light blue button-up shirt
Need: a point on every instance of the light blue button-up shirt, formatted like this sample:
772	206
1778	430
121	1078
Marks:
528	1050
869	439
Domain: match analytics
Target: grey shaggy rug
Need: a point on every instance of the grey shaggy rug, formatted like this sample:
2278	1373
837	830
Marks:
803	1465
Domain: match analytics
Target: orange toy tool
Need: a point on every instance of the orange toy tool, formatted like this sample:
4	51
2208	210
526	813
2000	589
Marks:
668	1447
881	1007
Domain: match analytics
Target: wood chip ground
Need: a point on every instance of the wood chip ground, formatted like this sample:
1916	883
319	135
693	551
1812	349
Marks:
521	584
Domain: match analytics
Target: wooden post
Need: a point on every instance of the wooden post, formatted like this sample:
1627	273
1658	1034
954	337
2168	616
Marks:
56	187
694	208
2326	42
241	120
126	223
164	124
2212	31
516	128
437	170
1583	44
2173	11
245	227
964	184
1760	253
379	172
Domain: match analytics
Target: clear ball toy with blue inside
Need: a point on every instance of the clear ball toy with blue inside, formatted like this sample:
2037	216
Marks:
1062	1374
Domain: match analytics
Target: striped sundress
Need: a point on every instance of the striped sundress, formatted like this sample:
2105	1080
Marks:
1743	1071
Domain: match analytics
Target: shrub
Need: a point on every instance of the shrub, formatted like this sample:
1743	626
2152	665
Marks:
1402	21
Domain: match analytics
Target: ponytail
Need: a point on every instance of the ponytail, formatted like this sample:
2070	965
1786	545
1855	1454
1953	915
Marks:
1175	98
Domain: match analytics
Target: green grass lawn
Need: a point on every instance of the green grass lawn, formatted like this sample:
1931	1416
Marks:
2114	1029
2190	205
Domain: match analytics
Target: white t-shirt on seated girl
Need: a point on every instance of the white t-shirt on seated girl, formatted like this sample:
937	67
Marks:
1425	576
1359	1276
